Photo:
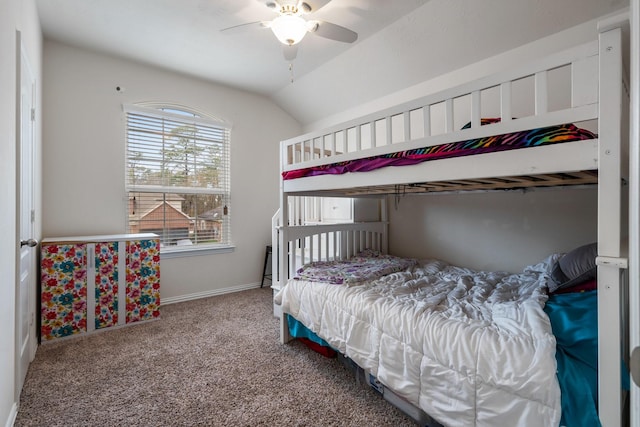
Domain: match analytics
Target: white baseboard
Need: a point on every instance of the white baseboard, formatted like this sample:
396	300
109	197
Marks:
11	419
211	293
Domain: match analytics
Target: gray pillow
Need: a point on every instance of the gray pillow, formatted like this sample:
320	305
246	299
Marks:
574	268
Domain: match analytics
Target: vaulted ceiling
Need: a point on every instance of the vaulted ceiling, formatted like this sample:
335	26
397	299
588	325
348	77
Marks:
186	36
400	43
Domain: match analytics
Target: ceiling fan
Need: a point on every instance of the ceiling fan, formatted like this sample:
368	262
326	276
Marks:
290	26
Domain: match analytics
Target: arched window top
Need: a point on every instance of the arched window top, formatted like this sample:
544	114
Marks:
179	111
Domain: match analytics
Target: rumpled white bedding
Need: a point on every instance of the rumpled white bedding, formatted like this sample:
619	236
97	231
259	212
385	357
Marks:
469	348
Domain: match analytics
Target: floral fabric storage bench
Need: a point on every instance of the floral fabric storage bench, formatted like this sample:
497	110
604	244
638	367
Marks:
90	283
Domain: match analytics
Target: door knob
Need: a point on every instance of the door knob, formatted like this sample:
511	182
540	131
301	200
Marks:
31	243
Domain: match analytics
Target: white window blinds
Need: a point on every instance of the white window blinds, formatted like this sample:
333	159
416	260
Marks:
177	176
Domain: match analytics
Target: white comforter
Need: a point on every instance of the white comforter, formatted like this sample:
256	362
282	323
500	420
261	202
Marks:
469	348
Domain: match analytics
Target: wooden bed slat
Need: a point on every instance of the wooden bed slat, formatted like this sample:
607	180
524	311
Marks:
426	118
542	95
475	109
505	102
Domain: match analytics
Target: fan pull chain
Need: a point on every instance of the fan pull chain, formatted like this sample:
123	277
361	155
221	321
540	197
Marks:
291	71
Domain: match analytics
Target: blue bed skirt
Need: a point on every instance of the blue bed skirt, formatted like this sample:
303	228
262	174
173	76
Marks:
298	330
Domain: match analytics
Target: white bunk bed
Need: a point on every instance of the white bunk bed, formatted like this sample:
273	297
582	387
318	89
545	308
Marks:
597	95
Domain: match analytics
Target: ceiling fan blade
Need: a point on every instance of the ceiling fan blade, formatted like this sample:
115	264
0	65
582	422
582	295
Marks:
290	52
308	6
270	4
334	32
247	26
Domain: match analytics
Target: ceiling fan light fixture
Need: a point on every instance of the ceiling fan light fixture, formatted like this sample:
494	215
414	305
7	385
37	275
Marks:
289	29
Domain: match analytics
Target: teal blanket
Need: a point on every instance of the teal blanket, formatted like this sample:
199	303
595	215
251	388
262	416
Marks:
574	320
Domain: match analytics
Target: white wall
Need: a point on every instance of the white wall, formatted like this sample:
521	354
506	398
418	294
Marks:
15	15
493	230
84	151
8	22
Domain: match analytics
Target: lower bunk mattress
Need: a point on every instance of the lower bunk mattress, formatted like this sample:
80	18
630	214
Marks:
467	347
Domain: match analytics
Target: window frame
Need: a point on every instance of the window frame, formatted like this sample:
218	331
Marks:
191	116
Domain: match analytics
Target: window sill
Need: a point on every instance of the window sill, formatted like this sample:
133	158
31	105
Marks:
168	253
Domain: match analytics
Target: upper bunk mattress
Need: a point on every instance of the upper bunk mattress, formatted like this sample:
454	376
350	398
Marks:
516	140
469	348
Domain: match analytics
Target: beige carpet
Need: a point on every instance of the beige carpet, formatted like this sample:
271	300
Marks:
211	362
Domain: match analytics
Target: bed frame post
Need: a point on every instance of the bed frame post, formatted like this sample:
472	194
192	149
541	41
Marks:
283	260
282	249
384	218
609	227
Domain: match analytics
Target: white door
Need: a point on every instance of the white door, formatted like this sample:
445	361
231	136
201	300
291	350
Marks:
26	341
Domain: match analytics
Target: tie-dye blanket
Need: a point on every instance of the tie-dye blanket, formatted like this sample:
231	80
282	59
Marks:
367	265
531	138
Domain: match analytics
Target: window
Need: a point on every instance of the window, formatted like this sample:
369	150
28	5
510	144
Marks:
319	210
177	177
